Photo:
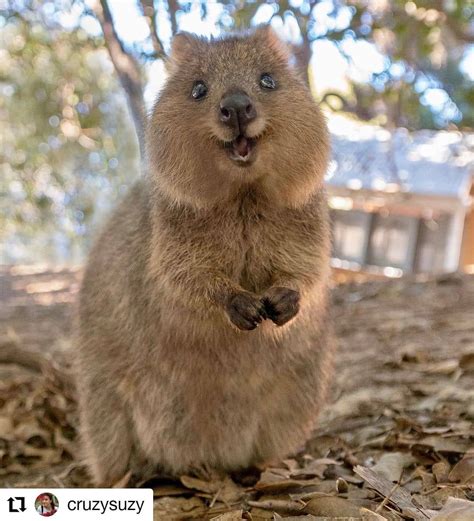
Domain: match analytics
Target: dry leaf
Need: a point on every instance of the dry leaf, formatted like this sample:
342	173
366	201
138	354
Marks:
368	515
447	445
391	465
169	490
224	490
284	485
174	508
314	467
395	494
441	470
210	487
235	515
463	471
456	510
331	506
279	505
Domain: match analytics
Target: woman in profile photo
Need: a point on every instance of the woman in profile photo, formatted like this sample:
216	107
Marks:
46	504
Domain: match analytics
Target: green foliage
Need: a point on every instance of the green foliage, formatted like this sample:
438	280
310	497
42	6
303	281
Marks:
425	40
66	144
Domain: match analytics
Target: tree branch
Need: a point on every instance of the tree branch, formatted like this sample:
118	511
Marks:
173	9
458	31
149	12
126	67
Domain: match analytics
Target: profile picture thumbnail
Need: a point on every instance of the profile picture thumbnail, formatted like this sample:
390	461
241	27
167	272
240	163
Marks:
46	504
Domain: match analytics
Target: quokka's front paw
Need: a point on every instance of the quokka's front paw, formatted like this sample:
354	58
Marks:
246	311
281	304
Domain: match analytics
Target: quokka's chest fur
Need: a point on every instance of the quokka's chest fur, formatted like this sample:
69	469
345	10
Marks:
241	239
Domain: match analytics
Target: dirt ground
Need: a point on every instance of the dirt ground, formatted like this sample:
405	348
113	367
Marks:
396	441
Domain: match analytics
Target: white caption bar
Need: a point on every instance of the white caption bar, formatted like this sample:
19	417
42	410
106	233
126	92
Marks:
69	504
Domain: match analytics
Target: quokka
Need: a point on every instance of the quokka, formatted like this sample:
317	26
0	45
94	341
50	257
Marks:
204	336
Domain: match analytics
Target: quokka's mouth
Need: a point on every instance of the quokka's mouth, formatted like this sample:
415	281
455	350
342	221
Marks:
241	150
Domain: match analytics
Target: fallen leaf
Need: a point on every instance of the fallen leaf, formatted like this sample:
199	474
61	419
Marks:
314	468
392	464
223	489
368	515
280	505
331	506
395	494
463	471
455	510
448	445
210	487
174	508
235	515
438	498
284	485
169	490
441	470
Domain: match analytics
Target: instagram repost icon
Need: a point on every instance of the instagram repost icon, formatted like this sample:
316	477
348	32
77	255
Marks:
46	504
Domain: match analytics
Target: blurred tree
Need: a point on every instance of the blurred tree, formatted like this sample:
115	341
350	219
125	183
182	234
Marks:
422	41
422	45
66	144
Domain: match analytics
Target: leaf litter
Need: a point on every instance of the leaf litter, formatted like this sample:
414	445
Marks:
395	442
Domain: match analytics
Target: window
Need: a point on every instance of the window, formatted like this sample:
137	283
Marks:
431	250
350	232
388	240
393	241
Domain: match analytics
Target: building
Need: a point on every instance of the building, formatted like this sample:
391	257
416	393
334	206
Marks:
401	202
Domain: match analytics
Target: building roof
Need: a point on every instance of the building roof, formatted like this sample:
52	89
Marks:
439	163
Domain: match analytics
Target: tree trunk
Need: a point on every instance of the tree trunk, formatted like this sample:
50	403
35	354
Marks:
127	69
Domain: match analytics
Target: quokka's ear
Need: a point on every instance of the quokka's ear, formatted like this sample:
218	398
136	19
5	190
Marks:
183	46
268	37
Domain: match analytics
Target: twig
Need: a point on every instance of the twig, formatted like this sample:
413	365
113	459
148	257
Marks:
387	498
149	12
214	499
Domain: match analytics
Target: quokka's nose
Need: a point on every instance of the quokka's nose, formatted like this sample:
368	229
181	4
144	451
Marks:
237	111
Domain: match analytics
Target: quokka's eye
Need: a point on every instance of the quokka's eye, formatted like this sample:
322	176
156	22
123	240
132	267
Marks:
199	90
267	82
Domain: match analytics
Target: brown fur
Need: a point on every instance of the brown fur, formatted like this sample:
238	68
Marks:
200	248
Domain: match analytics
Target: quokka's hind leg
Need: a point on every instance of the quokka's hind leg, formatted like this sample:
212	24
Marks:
106	433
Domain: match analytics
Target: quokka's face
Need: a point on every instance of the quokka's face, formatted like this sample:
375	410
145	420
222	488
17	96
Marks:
230	92
232	97
233	111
